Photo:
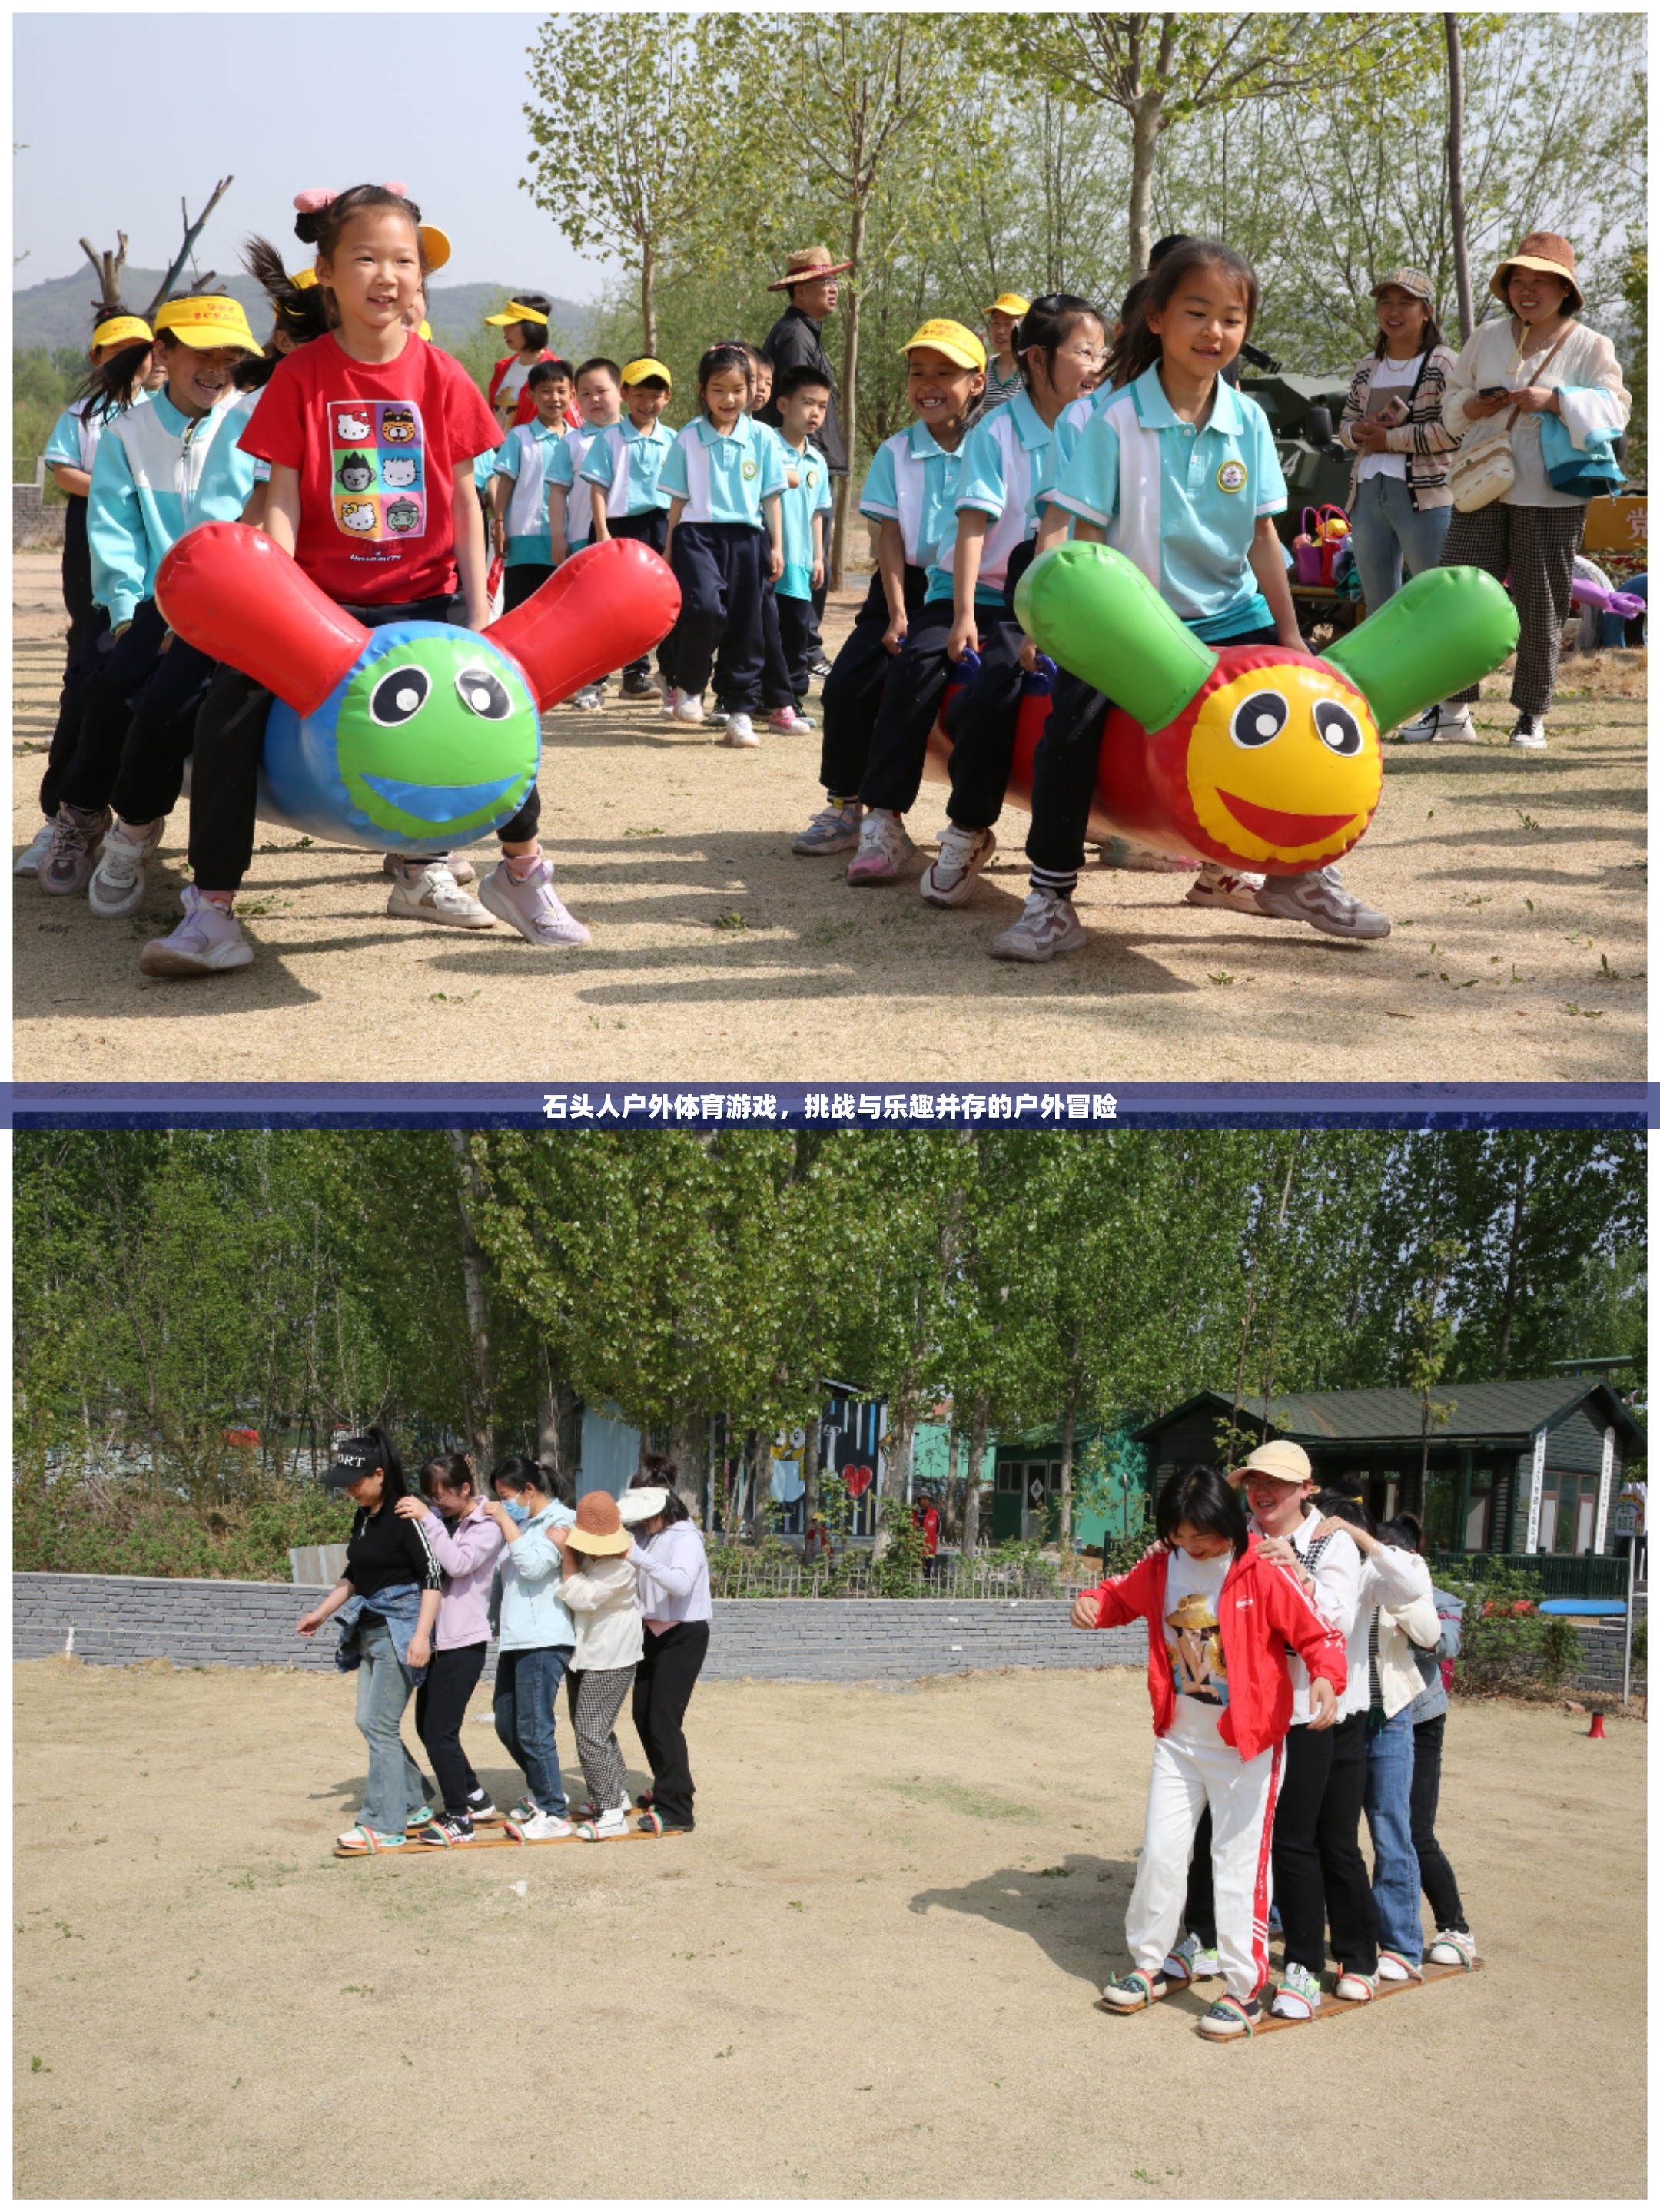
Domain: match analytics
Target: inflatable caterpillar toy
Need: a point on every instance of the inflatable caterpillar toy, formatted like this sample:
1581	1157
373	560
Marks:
1252	755
418	737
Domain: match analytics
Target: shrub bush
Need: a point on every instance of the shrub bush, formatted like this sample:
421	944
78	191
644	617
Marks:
68	1526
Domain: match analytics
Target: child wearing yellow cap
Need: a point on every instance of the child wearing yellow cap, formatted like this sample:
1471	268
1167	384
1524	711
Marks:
1003	367
70	453
909	494
145	492
621	472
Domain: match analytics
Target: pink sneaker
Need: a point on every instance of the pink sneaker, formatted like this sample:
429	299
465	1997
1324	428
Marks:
532	905
884	848
789	722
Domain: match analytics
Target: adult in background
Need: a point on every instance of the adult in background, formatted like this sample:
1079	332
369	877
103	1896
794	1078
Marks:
673	1595
524	327
1537	360
795	341
1400	497
387	1603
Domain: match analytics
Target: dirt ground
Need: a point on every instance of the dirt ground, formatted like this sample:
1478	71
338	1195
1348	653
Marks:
870	1972
1515	884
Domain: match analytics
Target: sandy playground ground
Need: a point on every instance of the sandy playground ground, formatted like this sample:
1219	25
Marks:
870	1972
1515	884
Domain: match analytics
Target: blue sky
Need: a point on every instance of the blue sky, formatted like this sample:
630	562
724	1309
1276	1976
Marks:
353	96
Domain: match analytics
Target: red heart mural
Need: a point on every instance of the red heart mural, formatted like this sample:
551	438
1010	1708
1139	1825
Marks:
858	1479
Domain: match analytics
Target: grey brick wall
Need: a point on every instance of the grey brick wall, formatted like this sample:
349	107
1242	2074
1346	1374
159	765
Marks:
119	1620
35	526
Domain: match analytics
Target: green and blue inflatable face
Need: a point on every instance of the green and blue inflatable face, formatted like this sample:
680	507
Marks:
418	737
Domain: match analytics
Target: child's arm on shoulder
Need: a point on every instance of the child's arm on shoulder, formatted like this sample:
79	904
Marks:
771	509
281	524
471	568
1269	567
971	526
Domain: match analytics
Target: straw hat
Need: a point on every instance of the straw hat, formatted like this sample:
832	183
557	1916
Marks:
599	1529
1544	251
806	267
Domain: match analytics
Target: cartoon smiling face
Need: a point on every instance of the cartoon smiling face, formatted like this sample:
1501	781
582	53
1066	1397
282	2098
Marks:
355	472
398	426
437	733
1276	760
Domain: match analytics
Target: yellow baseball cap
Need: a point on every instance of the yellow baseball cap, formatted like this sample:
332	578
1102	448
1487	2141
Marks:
207	320
120	329
513	313
636	372
950	339
303	279
1008	303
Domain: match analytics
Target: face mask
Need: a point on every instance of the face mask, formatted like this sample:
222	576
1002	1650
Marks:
517	1514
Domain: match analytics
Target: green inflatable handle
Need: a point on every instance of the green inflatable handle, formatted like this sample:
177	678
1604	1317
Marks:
1442	632
1095	613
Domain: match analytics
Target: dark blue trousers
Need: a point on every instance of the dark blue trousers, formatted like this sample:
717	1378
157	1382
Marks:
852	696
717	565
119	670
980	723
651	529
911	691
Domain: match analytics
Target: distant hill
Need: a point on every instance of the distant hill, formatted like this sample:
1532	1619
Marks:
59	312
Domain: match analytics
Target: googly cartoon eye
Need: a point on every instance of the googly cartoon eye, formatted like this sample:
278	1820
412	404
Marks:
1337	726
1259	720
400	693
484	693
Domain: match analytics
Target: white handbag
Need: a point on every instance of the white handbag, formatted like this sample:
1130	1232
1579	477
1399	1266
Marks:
1485	471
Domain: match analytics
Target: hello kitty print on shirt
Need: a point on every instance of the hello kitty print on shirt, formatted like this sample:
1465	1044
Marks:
378	469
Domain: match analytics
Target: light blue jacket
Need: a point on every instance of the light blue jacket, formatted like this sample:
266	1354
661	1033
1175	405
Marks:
147	492
528	1614
400	1606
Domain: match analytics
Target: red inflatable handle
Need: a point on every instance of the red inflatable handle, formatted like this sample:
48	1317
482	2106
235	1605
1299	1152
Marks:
605	607
234	595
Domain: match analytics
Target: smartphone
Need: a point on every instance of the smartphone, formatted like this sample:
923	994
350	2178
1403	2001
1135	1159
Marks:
1495	391
1393	412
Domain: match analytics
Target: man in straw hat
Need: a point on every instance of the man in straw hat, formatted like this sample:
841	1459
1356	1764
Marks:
795	342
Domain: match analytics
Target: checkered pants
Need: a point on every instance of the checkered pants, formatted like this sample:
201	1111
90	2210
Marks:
1535	546
597	1699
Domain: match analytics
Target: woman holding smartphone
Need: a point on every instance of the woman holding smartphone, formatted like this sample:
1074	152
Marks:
1400	498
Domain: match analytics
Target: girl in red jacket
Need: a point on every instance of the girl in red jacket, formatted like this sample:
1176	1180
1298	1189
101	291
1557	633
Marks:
1220	1617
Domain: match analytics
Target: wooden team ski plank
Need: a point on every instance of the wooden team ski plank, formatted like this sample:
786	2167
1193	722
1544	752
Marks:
497	1843
1331	2008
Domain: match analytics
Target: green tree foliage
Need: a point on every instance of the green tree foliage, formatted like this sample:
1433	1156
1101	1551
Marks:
42	385
195	1315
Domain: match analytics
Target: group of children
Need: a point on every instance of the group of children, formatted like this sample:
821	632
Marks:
196	422
611	1598
1295	1667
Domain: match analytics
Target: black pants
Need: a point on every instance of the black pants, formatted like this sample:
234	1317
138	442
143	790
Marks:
89	626
1064	767
114	678
663	1683
852	696
160	735
440	1706
1440	1883
981	721
718	567
229	738
911	693
798	642
651	528
520	579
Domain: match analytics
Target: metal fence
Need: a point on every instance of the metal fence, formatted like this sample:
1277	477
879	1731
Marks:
1587	1576
856	1575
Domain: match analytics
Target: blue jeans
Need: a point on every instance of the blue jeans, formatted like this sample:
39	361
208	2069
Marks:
527	1687
395	1786
1388	531
1389	1815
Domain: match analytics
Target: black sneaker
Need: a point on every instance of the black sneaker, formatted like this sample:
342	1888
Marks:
820	668
1529	735
479	1807
448	1830
640	687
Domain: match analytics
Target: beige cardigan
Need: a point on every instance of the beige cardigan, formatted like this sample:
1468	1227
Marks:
1587	372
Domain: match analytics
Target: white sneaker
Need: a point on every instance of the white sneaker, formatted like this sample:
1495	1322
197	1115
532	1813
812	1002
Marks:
590	699
1298	1995
1320	900
1355	1989
948	879
532	906
425	890
541	1828
205	943
1048	925
1529	735
27	862
118	882
1395	1966
884	845
1226	887
688	707
612	1822
458	864
1191	1962
669	711
739	730
1442	724
1453	1946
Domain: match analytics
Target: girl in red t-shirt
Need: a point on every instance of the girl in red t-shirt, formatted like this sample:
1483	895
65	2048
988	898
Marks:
371	433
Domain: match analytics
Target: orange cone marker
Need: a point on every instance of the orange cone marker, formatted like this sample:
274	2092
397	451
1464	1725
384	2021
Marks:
1596	1733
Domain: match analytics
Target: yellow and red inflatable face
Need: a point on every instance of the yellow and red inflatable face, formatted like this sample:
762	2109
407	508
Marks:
1254	755
1277	762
